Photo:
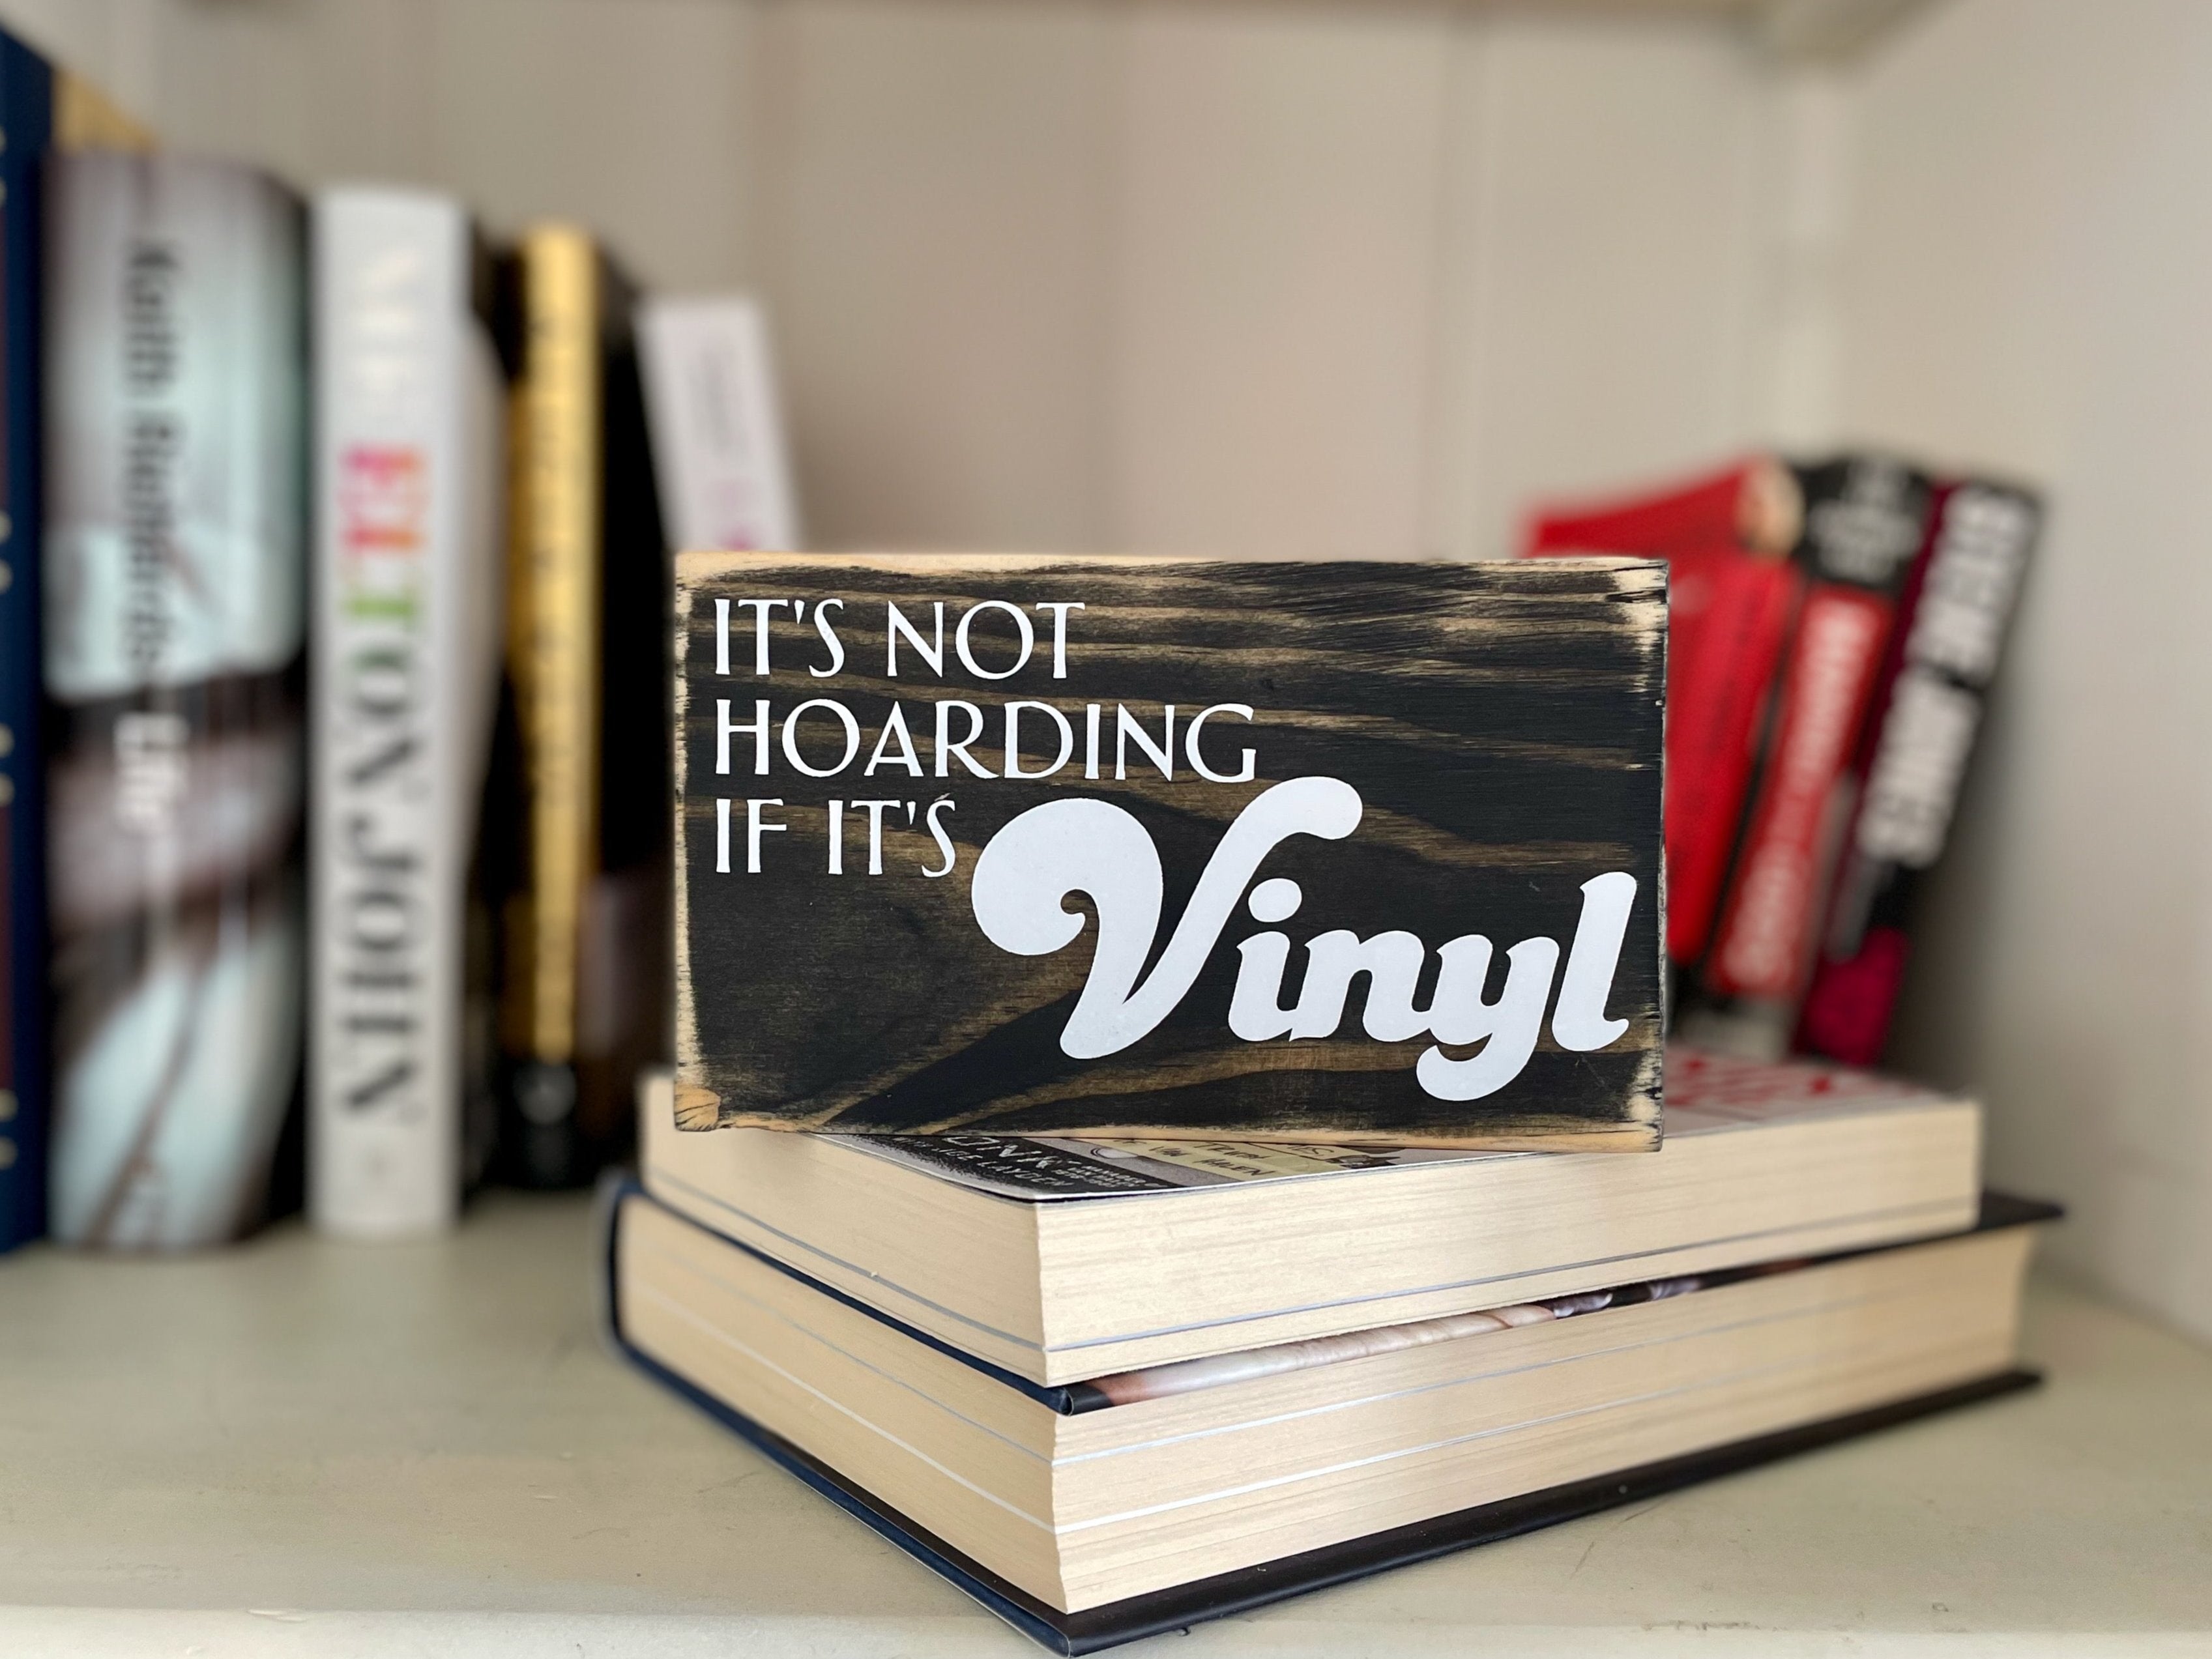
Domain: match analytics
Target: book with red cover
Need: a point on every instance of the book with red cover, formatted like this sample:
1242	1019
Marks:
1733	592
1865	520
1786	584
1951	622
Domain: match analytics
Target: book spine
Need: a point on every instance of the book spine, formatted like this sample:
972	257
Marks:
406	565
1866	519
175	564
26	120
1733	595
717	437
1950	630
553	662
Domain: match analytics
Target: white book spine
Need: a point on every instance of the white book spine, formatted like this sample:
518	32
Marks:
718	447
408	568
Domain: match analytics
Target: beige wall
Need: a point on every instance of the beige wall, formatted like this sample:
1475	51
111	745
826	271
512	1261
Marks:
1261	278
2029	286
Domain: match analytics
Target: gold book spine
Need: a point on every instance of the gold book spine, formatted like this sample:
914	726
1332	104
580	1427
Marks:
553	635
85	118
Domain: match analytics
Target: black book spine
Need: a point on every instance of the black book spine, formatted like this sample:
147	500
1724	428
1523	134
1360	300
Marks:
1949	635
26	120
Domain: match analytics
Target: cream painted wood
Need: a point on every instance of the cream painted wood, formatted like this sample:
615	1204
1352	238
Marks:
1274	314
1259	279
2023	289
413	1449
933	248
633	118
1610	182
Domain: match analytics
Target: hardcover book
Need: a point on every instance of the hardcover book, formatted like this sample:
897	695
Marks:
175	622
1130	1502
409	480
1338	853
583	856
42	107
1058	1257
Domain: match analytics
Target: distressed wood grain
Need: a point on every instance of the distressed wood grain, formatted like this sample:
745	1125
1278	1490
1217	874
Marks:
1501	724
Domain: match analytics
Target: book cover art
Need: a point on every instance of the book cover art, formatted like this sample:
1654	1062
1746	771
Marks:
175	569
41	108
1334	853
584	958
409	485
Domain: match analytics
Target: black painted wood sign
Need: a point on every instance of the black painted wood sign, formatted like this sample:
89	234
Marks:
1349	852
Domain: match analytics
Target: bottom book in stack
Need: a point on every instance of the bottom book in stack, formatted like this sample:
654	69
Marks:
1099	1511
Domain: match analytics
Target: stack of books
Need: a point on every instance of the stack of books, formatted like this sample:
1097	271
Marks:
1112	1386
1215	1136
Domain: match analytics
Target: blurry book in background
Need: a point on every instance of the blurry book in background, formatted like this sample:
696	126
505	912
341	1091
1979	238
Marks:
175	565
718	443
409	499
1732	593
1936	680
1866	517
585	968
42	106
1820	712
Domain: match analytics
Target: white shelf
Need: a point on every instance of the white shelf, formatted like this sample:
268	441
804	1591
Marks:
301	1447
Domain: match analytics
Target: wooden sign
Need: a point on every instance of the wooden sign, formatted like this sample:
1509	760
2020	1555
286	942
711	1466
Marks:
1352	852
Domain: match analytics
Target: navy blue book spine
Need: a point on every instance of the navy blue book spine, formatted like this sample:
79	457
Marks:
26	122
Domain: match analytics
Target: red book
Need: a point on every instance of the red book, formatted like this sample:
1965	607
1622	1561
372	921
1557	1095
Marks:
1728	621
1754	506
1759	948
1733	593
1786	587
1866	521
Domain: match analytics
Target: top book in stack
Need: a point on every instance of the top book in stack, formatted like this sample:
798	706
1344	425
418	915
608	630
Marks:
1060	1258
1365	854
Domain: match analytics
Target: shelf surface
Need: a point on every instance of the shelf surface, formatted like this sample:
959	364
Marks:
301	1447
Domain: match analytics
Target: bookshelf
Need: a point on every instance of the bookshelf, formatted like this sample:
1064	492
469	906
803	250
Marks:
1271	277
1297	277
424	1449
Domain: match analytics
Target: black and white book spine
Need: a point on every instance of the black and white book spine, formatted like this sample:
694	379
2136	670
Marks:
719	452
175	565
407	631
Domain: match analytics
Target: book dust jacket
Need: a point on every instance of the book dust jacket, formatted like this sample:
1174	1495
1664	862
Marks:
1363	854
